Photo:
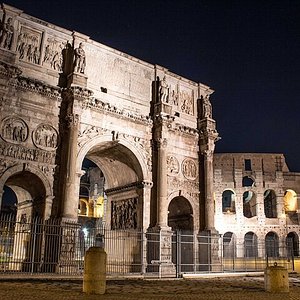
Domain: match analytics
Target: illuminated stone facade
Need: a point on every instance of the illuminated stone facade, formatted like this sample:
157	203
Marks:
256	199
66	99
149	133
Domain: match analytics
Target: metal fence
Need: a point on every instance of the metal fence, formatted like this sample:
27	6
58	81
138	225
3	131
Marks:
53	246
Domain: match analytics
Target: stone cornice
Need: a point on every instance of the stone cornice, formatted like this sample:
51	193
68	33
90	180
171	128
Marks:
82	93
187	130
36	86
130	186
9	70
98	105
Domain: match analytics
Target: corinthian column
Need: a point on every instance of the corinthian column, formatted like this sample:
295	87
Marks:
209	190
162	187
70	201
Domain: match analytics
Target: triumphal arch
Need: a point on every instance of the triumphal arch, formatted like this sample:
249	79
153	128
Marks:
68	101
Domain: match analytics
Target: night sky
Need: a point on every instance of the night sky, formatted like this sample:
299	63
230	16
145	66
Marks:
247	51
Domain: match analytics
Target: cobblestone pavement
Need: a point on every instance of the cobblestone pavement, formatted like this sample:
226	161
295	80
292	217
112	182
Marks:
241	288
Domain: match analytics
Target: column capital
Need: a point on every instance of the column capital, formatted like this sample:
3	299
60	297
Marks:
162	143
72	120
208	153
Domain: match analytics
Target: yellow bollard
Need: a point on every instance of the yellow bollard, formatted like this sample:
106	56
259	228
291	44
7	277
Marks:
276	279
94	277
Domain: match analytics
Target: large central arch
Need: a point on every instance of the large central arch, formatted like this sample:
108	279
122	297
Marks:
125	170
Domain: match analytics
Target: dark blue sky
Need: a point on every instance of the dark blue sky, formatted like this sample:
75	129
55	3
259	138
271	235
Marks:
247	51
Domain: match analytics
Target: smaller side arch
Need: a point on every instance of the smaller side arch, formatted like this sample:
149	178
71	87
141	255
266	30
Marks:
180	214
32	169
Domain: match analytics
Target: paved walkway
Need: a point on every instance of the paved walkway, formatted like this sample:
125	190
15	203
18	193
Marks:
239	288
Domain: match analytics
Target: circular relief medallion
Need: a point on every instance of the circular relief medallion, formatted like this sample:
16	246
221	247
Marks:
172	165
14	130
45	137
189	169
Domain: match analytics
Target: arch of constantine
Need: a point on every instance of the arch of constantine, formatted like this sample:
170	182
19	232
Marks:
91	133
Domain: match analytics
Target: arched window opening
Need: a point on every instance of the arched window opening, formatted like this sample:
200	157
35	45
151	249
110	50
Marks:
229	245
250	244
83	208
292	242
270	204
247	181
249	204
228	201
290	201
272	245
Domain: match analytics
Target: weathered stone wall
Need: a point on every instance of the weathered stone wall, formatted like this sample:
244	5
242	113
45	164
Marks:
268	172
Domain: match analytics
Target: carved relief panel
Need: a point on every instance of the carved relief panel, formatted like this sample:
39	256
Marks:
14	130
45	137
29	45
180	97
187	102
189	169
124	214
172	165
53	53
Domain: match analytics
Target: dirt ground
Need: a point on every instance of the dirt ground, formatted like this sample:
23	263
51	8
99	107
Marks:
240	288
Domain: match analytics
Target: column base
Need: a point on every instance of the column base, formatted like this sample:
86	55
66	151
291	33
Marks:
159	251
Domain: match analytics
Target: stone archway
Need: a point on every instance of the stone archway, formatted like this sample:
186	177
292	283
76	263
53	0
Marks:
31	188
180	214
120	192
30	194
31	197
180	219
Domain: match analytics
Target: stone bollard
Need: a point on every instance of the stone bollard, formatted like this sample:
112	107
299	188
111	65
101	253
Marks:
94	277
276	279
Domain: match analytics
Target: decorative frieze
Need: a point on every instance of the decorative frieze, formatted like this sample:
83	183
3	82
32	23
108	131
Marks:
189	187
23	153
